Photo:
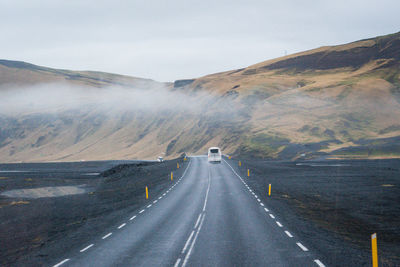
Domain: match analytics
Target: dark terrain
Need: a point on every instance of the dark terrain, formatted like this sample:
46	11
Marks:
33	231
335	205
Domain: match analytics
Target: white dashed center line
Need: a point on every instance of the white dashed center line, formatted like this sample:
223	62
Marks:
188	242
141	211
267	210
262	204
148	206
133	217
279	224
122	225
177	262
272	216
197	222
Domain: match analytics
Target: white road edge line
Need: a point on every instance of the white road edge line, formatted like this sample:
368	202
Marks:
107	235
279	224
301	246
288	234
188	242
177	262
319	263
61	263
84	249
122	225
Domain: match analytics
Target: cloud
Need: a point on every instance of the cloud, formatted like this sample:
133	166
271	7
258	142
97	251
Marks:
169	40
59	97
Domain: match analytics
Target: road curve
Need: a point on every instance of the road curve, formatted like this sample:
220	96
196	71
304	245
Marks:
209	217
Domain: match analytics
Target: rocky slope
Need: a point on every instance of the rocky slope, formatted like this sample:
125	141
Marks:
340	101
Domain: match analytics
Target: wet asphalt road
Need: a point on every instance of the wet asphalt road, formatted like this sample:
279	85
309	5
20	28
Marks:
209	217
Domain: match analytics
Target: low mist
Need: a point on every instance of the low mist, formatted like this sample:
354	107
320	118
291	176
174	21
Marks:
53	98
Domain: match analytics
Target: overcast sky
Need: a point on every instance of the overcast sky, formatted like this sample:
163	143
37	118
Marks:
169	40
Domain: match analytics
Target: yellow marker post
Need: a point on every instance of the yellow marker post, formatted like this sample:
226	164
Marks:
374	250
240	163
248	172
177	165
172	176
229	157
184	159
269	190
147	193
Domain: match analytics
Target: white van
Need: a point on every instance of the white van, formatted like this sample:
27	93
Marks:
214	154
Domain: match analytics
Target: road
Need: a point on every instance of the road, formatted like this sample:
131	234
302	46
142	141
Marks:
209	217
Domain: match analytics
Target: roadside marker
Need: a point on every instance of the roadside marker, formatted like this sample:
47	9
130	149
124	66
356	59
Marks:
248	172
147	193
269	190
229	157
240	163
177	165
172	176
374	250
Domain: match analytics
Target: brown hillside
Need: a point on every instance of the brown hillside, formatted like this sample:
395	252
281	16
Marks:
339	101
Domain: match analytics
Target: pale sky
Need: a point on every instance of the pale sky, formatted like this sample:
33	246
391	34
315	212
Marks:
169	40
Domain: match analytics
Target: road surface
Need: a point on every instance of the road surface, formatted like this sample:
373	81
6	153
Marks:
209	217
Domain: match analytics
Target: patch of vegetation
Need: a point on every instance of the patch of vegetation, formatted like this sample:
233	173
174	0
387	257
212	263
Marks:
314	89
262	145
344	93
255	97
389	129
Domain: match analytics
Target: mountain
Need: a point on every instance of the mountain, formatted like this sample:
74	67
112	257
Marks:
341	101
338	102
18	73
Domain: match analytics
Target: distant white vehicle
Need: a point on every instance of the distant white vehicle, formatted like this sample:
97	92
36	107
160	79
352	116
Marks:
160	159
214	154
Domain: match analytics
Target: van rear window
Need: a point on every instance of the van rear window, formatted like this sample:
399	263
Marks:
214	150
